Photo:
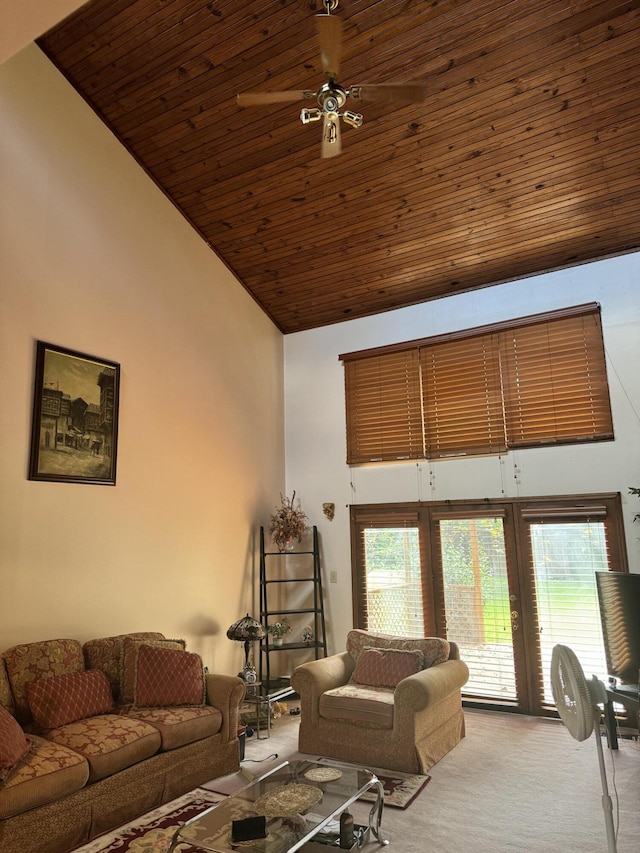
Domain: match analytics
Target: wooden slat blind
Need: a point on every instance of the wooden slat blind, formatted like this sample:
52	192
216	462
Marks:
384	412
555	382
461	397
528	382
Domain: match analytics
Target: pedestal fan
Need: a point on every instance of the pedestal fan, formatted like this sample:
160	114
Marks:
577	701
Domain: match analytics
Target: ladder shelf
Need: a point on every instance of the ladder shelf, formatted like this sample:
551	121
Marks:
269	561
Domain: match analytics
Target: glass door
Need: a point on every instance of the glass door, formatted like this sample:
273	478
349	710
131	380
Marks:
481	594
563	556
505	580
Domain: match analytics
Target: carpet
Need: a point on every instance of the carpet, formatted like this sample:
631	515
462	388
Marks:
152	833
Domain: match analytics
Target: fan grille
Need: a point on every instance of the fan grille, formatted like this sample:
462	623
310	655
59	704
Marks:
571	692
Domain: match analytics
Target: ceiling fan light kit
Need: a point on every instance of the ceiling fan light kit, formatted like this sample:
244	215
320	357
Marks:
332	96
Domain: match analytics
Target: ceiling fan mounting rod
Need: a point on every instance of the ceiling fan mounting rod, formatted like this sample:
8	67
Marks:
330	5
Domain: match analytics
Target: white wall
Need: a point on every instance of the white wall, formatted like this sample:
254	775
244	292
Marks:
315	421
94	258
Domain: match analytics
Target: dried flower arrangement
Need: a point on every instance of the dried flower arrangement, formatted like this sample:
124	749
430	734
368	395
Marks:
288	522
281	628
632	491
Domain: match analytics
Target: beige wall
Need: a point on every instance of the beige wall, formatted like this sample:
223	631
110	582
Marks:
94	258
25	20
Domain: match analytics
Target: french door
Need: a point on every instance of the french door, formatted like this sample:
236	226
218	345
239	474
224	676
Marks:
505	580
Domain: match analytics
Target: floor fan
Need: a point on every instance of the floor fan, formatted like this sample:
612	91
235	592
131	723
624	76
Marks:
577	700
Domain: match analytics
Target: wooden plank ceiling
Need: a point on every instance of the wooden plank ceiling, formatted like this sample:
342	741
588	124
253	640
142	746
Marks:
523	157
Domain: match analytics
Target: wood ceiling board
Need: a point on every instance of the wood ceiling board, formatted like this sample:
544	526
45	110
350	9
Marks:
522	158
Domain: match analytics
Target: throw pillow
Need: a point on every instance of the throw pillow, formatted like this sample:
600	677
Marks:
129	669
386	667
62	699
167	677
14	744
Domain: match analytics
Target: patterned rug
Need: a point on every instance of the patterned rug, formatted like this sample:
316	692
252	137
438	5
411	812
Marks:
399	790
152	833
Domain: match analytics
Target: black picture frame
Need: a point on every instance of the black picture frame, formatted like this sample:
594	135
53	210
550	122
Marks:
74	429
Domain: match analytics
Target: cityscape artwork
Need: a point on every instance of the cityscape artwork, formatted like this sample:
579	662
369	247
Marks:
75	417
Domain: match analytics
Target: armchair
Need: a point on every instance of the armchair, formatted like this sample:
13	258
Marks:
406	726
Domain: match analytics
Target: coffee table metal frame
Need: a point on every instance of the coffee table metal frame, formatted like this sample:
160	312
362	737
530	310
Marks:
216	819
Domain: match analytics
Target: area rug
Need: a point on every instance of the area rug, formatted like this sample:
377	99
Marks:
152	833
399	791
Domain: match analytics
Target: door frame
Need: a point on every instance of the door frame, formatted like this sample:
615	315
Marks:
517	514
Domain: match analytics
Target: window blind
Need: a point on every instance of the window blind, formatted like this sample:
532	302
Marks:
527	382
384	411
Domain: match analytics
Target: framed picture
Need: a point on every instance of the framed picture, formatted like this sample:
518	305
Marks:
74	432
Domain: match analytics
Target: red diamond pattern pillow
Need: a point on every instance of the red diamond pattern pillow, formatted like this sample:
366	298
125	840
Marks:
386	667
13	743
167	677
62	699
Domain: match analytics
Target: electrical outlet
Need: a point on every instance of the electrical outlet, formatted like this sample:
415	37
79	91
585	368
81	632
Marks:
333	577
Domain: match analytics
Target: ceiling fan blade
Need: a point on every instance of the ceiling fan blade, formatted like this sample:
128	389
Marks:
331	141
330	37
397	93
258	99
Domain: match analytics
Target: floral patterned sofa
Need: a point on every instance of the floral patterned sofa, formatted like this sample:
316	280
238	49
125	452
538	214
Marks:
386	702
94	735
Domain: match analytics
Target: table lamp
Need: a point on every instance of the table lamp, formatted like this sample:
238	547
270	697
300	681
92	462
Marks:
246	630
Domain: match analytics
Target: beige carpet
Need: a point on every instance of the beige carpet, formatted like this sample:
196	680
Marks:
513	784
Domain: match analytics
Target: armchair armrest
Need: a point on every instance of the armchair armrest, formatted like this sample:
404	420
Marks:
429	686
310	680
225	692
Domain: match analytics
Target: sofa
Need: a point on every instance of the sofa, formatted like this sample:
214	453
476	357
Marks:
93	735
386	702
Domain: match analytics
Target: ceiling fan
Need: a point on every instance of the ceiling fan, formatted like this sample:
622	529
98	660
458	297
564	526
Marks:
332	96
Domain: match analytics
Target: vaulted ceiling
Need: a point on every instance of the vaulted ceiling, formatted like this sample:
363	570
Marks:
524	155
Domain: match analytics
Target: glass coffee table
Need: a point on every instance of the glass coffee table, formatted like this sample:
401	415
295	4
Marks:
301	801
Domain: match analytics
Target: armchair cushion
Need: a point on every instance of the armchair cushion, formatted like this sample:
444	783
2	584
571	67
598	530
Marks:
434	649
368	707
386	667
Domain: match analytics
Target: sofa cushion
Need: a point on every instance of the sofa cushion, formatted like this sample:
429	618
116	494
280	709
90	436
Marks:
166	677
32	661
63	699
14	744
109	742
48	772
106	653
434	649
386	667
178	726
368	707
129	671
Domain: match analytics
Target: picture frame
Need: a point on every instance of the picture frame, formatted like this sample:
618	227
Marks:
74	429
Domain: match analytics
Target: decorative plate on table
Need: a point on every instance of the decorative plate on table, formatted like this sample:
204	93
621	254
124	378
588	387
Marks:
287	800
323	774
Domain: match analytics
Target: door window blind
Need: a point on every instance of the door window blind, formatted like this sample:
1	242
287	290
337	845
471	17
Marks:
527	382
